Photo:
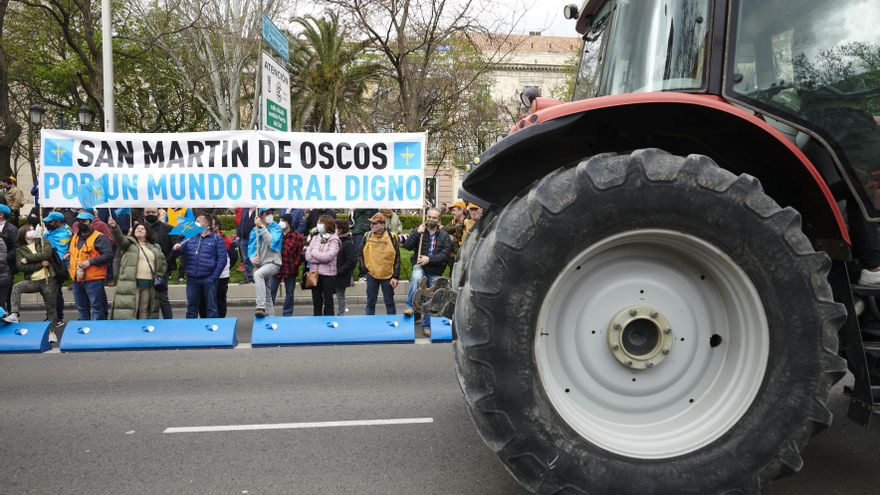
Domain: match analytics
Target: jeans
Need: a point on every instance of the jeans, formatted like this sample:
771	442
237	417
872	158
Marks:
417	275
222	288
289	286
90	299
261	282
373	293
198	290
248	266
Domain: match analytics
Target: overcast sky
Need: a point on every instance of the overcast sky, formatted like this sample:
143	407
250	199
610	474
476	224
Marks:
546	16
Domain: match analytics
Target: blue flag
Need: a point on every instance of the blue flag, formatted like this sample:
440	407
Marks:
256	239
60	239
187	229
122	211
92	194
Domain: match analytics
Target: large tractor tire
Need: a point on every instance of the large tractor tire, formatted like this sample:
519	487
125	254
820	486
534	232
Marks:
646	324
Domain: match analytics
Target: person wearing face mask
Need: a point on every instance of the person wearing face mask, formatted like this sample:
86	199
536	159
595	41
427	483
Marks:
264	251
292	243
58	234
431	247
161	231
205	258
380	257
33	256
90	253
321	255
141	260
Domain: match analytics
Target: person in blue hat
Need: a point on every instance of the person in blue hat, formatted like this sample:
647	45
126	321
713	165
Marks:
8	232
90	253
58	234
264	251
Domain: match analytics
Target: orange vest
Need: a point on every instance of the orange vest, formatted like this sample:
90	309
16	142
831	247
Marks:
87	252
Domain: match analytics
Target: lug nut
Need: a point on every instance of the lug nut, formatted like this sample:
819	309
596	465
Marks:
667	331
614	347
633	312
628	362
617	326
649	364
666	350
654	314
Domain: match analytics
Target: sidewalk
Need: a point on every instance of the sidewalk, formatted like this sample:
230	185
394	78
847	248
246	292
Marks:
238	295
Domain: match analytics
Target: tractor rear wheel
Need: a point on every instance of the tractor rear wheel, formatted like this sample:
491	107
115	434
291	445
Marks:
646	323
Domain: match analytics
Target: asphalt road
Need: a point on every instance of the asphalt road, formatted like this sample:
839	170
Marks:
94	423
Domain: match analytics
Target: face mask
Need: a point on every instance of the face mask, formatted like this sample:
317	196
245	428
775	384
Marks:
320	228
30	235
431	224
84	227
283	225
151	218
268	219
199	224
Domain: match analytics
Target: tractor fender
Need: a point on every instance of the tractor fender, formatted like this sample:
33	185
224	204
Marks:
682	124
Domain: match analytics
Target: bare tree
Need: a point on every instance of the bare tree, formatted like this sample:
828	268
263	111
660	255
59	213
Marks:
215	45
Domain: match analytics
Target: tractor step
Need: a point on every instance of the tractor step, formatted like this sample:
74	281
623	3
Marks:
872	348
866	290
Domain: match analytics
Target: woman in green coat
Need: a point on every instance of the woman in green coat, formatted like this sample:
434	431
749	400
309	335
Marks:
141	258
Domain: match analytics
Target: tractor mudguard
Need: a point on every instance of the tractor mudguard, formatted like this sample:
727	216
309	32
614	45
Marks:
679	123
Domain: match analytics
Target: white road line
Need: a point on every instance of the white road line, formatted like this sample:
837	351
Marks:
244	345
292	426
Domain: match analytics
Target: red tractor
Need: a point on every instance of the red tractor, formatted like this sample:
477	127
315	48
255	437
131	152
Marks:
663	288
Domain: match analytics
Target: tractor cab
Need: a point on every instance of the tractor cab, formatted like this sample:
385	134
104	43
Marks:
811	68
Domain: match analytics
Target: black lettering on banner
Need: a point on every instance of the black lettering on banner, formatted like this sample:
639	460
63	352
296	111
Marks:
361	156
325	150
151	155
284	154
85	150
105	156
307	155
175	155
380	156
195	149
340	162
212	148
125	153
267	153
239	154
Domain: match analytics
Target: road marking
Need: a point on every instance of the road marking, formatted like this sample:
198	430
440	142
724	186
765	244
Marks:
244	345
293	426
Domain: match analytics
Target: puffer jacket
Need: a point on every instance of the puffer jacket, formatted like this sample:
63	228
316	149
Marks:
321	254
205	256
5	272
34	260
124	305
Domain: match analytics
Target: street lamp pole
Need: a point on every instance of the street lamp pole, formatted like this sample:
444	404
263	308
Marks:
35	116
107	38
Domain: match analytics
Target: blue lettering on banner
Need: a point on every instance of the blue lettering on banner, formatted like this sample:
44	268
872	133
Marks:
352	188
408	156
313	193
258	187
58	153
157	187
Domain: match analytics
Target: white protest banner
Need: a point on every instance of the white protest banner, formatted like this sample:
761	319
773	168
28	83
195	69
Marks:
236	169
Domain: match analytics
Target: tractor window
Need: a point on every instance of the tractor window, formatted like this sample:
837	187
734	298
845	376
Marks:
657	45
590	67
816	63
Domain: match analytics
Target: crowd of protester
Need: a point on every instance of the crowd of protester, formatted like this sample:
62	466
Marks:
312	249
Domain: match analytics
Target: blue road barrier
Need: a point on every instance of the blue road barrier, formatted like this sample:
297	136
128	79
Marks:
441	329
312	330
24	337
148	334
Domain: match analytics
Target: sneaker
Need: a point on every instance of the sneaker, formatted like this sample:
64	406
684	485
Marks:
362	279
426	331
180	279
11	318
260	312
52	337
408	312
59	324
869	278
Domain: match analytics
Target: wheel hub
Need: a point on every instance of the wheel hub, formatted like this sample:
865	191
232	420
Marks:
640	337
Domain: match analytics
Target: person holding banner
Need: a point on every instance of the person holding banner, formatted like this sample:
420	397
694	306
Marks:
264	251
321	255
90	253
204	256
140	261
58	234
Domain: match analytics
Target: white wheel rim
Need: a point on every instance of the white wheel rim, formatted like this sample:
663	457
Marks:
699	390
